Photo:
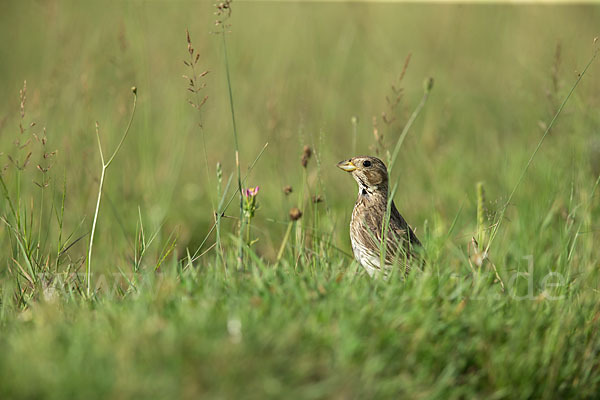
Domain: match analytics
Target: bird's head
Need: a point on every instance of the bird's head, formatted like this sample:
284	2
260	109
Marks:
369	172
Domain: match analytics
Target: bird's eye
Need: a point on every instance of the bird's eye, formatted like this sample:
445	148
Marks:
367	163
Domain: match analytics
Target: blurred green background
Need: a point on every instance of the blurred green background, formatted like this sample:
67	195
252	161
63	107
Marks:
300	72
307	326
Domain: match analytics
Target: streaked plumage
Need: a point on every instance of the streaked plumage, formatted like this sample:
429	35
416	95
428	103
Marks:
368	216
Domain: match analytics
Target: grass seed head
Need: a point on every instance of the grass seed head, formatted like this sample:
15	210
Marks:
223	13
295	214
306	154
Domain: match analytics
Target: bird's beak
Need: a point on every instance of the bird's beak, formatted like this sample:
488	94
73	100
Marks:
346	165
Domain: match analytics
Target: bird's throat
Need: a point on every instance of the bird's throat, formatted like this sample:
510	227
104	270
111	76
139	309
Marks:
371	194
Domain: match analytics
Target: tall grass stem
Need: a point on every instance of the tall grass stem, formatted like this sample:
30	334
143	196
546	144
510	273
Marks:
237	151
105	165
496	227
409	123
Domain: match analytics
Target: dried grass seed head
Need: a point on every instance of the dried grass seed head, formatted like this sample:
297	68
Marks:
306	154
195	83
295	214
223	13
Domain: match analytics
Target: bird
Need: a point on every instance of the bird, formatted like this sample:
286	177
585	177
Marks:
367	224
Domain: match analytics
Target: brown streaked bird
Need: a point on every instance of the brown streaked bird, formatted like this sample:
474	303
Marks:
367	224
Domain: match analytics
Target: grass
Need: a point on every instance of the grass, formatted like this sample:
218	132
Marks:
170	314
105	165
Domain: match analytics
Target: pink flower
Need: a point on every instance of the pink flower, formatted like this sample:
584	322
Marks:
250	201
250	192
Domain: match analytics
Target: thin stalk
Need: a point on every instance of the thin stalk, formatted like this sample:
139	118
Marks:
237	151
221	210
217	215
409	123
105	165
405	130
578	232
537	148
20	232
301	224
60	219
39	238
248	232
198	104
480	213
7	197
88	268
18	203
284	241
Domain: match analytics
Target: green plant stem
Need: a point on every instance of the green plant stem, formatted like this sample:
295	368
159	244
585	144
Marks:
221	210
285	240
589	204
192	64
409	123
18	203
60	220
405	130
248	231
480	213
301	224
237	151
217	216
105	165
496	227
40	220
88	268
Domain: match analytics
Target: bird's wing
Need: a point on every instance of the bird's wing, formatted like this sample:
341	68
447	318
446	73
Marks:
367	228
401	239
399	225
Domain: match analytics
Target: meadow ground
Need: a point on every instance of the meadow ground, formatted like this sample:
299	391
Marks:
170	315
